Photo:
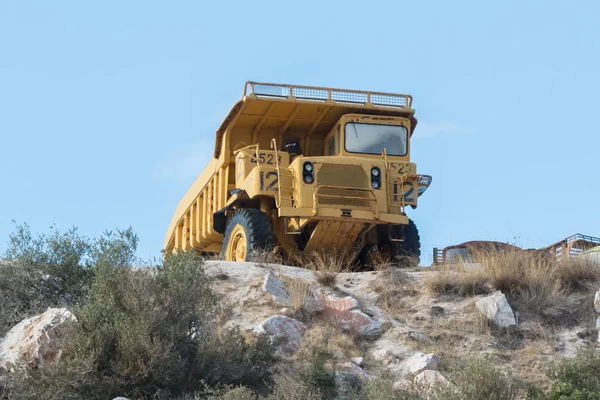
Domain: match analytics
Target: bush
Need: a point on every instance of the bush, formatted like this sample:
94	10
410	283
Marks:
479	379
147	333
293	388
464	282
578	274
575	379
53	270
382	389
536	285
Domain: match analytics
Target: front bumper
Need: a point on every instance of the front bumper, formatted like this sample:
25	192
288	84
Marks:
329	213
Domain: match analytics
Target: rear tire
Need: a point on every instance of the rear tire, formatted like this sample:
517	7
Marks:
247	231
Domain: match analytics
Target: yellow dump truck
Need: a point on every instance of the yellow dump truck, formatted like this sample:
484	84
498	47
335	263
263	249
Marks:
298	169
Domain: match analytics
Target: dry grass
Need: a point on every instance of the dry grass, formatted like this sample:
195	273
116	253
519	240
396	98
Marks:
578	274
537	286
300	293
325	265
322	335
462	282
396	292
512	271
263	257
380	262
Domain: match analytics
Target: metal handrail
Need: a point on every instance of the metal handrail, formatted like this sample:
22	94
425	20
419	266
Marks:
278	197
244	150
329	94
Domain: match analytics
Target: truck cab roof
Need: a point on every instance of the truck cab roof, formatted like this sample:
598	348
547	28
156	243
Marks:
281	109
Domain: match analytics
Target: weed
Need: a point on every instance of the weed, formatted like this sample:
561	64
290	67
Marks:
325	265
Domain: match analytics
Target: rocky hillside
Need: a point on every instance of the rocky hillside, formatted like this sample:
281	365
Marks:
388	333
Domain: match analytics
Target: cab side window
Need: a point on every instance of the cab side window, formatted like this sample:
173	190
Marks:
331	146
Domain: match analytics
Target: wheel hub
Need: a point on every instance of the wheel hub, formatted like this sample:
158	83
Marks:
238	245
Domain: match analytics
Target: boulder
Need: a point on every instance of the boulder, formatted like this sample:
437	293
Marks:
352	367
420	362
429	378
597	302
496	309
347	383
34	340
284	332
281	296
357	360
345	313
382	354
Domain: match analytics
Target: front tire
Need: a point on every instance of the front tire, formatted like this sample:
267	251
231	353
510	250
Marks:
412	241
249	230
408	252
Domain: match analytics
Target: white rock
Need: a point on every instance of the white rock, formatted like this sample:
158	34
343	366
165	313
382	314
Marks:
597	302
285	332
496	309
34	340
357	360
429	377
420	362
382	354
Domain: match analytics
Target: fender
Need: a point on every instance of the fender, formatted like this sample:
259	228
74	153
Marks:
220	217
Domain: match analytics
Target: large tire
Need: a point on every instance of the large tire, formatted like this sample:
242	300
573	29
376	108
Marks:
247	231
412	241
408	252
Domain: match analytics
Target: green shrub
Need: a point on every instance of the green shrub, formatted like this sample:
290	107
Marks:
479	379
319	375
293	388
147	333
53	270
575	379
382	389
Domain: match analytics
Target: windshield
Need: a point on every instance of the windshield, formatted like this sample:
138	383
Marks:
372	138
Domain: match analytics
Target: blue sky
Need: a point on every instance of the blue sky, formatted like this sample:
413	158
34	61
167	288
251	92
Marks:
108	110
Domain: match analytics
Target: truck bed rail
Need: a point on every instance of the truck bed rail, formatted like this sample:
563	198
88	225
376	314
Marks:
316	93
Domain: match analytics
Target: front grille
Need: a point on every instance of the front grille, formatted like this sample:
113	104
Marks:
348	176
345	178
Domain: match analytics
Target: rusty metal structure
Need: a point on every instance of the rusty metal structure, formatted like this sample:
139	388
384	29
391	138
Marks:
572	246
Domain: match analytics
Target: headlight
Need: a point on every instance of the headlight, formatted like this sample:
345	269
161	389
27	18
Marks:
307	172
375	178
